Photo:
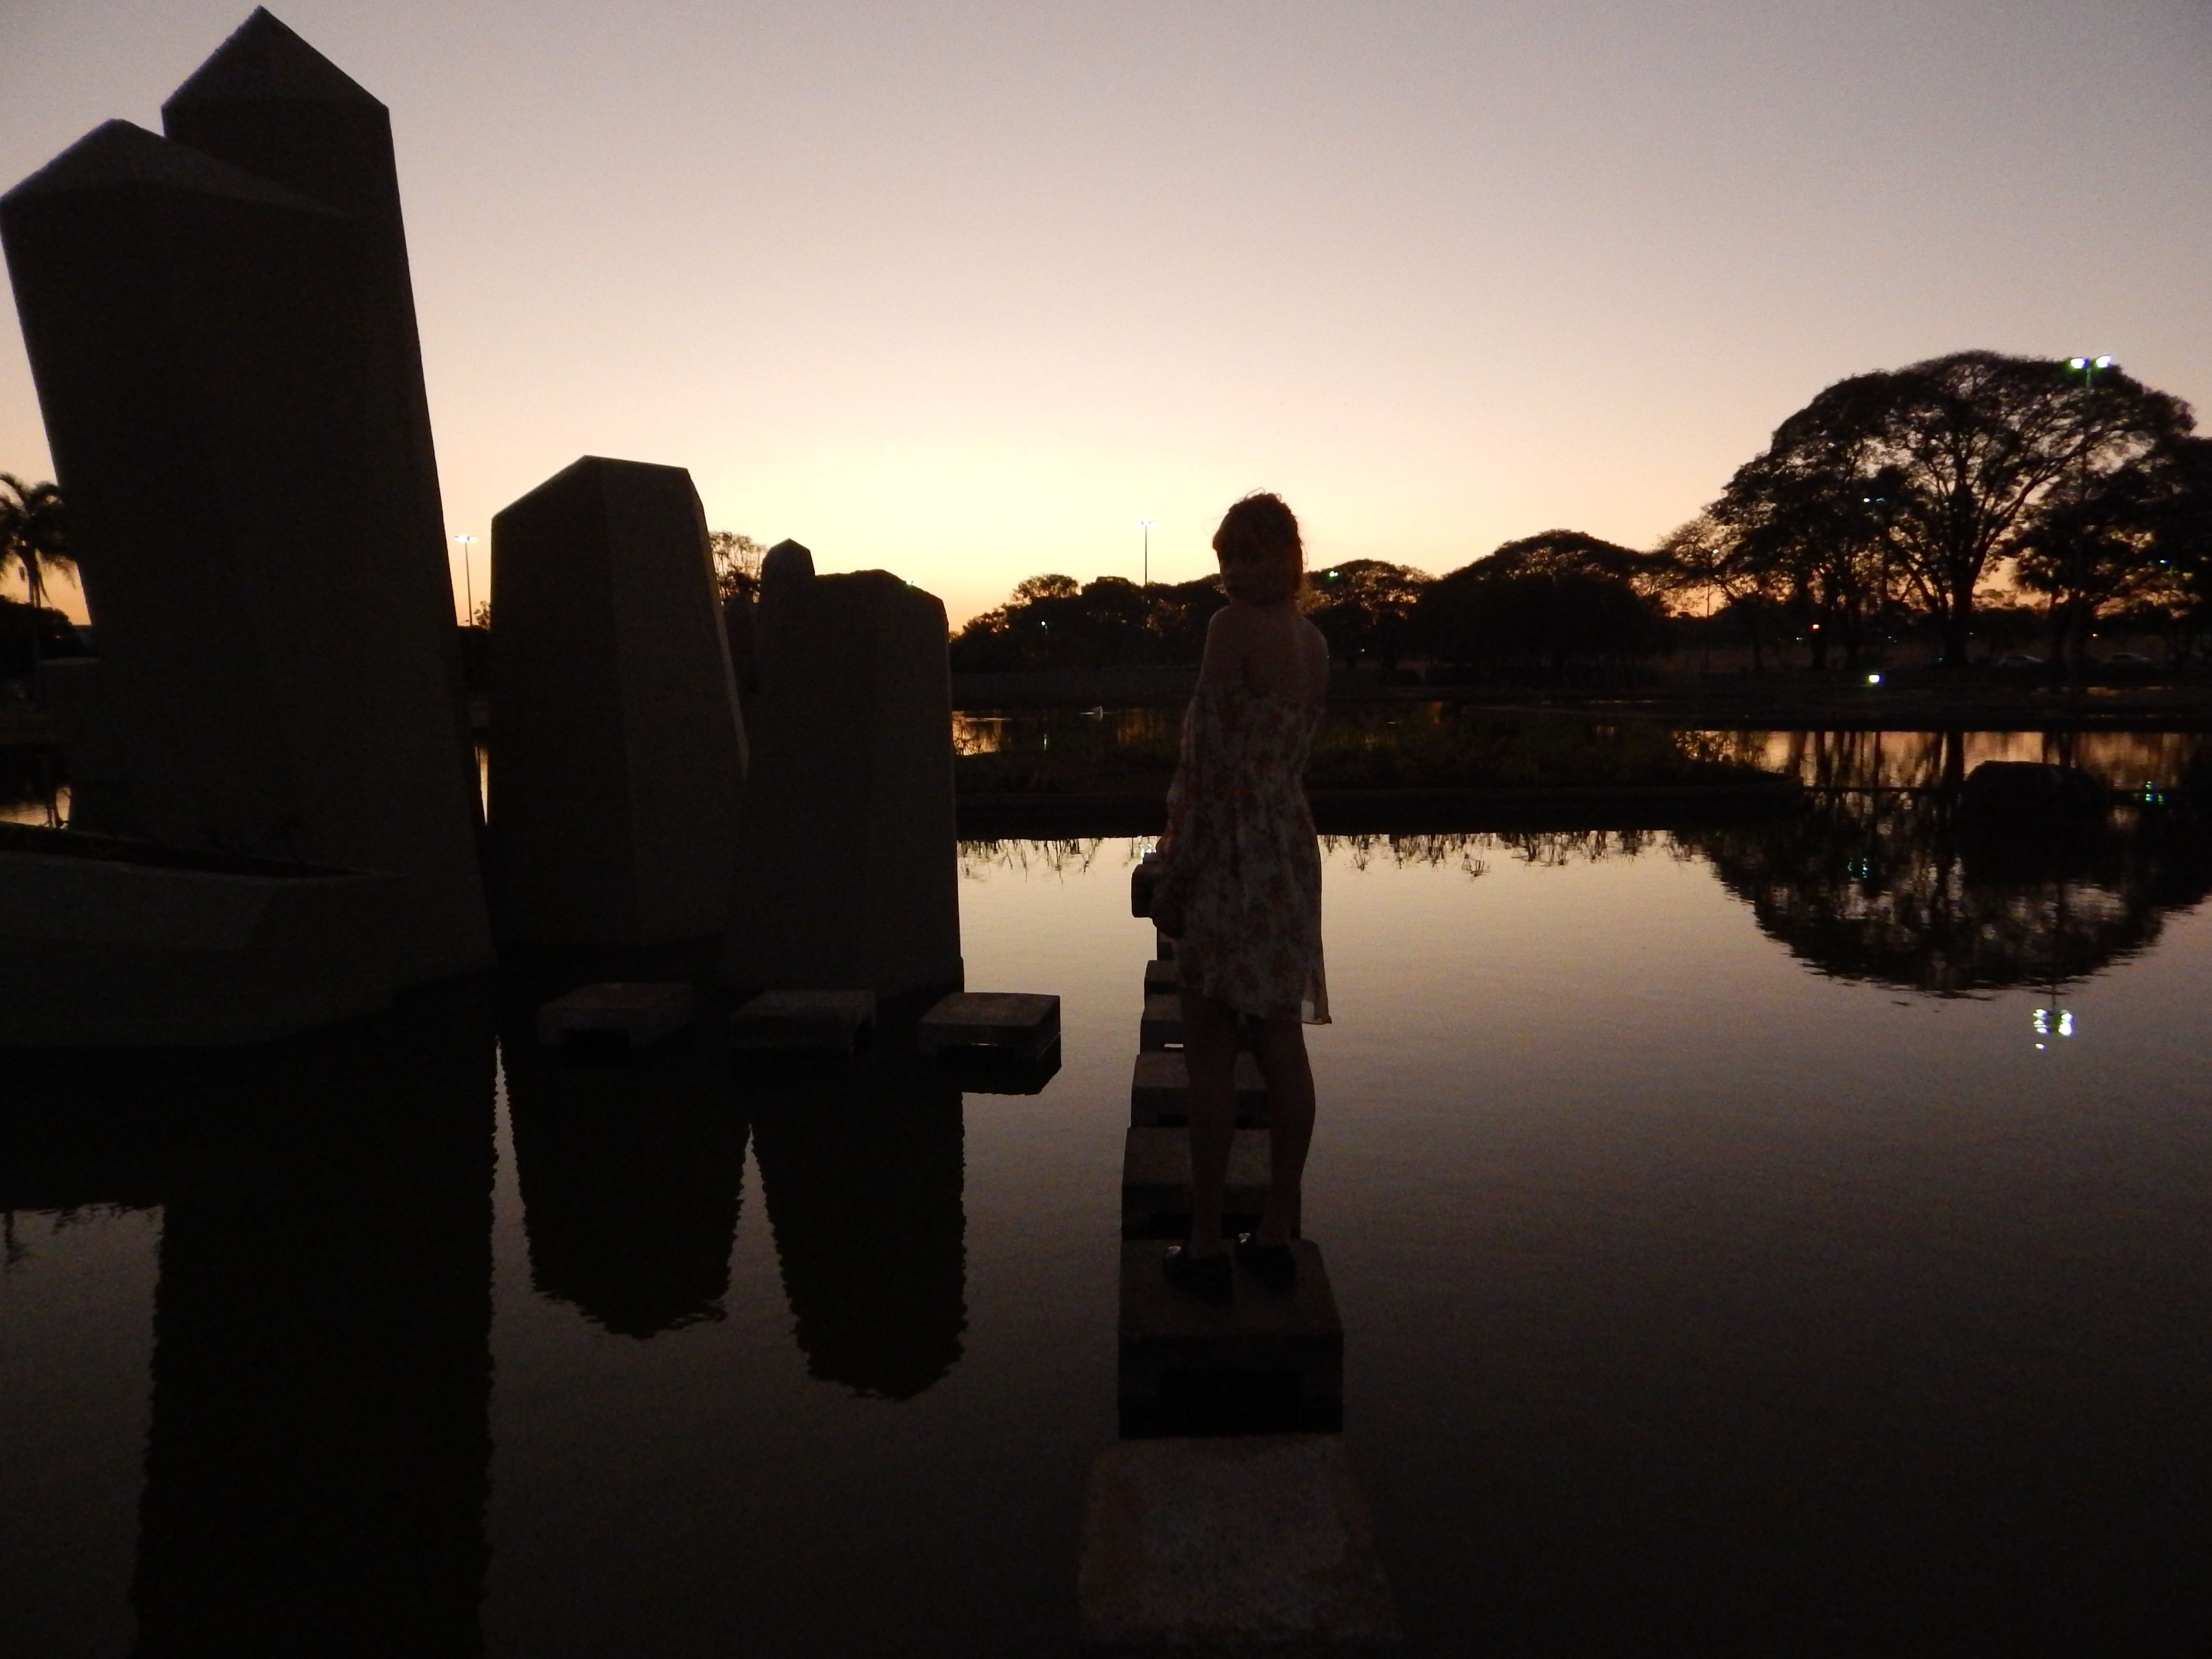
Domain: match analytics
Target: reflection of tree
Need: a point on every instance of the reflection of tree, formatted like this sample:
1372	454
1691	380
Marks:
1066	857
1893	890
861	1169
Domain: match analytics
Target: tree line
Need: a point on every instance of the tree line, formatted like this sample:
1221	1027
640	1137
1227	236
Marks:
1914	498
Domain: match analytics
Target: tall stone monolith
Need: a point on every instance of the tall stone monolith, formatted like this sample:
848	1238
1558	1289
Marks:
227	363
846	872
618	753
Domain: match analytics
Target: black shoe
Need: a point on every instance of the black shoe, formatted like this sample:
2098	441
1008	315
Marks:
1206	1277
1273	1265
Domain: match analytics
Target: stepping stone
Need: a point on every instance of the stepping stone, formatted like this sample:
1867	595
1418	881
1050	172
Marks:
615	1016
1270	1362
1162	1026
1262	1544
829	1021
1164	946
1161	975
1159	1091
1156	1182
1011	1021
1144	882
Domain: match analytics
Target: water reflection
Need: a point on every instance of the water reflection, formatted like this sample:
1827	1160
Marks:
862	1166
1886	889
1931	760
629	1171
319	1451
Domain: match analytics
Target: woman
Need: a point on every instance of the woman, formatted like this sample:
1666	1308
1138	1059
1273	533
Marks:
1240	889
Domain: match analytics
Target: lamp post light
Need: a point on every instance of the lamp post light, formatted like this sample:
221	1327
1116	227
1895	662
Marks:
2087	367
468	578
1145	525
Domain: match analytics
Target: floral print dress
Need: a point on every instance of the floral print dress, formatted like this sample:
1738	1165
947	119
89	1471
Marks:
1241	856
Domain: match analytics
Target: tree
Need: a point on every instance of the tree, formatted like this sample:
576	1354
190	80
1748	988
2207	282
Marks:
1553	596
1365	607
1960	452
737	564
33	534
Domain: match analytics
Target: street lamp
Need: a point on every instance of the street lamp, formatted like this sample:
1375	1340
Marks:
1145	525
2087	367
468	578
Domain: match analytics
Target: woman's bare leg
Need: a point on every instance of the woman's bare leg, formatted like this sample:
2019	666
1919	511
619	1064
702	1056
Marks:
1279	1045
1209	1041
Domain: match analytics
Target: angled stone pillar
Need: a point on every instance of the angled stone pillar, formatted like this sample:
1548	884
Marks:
846	864
618	753
236	422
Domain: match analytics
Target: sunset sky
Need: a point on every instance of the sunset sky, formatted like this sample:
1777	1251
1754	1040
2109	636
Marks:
964	291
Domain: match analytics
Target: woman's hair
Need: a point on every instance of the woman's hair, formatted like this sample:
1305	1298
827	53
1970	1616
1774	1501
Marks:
1261	525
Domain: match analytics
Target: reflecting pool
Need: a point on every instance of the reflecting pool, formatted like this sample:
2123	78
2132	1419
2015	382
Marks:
1789	1239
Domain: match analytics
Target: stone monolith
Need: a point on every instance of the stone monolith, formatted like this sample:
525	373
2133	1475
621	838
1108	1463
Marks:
227	365
618	753
847	870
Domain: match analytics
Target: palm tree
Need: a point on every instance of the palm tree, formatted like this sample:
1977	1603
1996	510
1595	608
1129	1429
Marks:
32	534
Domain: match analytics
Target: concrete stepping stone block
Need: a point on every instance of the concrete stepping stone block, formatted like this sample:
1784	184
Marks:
1164	946
1156	1182
1261	1544
1159	1091
1143	884
828	1021
1015	1021
1162	976
1162	1026
615	1014
1271	1361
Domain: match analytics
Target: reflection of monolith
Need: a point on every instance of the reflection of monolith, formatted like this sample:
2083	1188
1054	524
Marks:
862	1174
619	754
225	354
320	1449
846	872
629	1174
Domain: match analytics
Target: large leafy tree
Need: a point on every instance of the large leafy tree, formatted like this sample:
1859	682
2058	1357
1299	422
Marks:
1550	597
2136	535
1365	607
1937	474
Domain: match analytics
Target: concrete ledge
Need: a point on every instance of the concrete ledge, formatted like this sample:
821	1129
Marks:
825	1021
1162	976
615	1015
1256	1545
1156	1182
1011	1021
1269	1362
106	944
1159	1091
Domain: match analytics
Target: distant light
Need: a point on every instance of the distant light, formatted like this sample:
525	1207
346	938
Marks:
1873	679
2077	362
2066	1025
2103	363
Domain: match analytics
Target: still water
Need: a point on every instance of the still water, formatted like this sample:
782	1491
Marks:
1784	1239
